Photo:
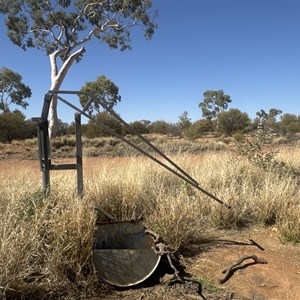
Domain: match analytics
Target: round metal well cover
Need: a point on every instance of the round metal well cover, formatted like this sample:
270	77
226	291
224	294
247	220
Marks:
123	254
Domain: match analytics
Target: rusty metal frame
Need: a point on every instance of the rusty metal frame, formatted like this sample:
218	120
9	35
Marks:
46	164
44	143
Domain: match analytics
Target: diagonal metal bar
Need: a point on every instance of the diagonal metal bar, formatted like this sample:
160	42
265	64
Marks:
116	116
112	132
148	142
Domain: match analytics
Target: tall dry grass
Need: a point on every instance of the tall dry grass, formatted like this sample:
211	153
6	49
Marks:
46	243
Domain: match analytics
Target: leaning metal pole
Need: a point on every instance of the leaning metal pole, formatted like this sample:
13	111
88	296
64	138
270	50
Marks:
181	175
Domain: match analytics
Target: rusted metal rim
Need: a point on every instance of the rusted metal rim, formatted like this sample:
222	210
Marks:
123	253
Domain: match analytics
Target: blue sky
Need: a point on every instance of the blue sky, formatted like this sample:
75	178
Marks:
248	48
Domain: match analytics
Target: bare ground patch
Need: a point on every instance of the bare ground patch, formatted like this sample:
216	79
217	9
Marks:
279	279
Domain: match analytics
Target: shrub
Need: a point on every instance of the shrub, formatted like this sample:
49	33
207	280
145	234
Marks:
13	126
198	129
93	130
238	137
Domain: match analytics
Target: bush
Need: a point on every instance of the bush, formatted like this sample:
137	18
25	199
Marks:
238	137
140	127
232	120
165	128
93	130
13	126
198	128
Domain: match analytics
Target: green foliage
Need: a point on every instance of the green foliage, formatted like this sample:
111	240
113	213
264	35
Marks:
198	129
63	128
140	127
60	142
174	130
102	90
274	112
289	124
61	28
62	25
163	127
232	120
257	150
238	136
92	129
184	121
32	202
13	126
269	119
160	127
209	285
12	90
213	103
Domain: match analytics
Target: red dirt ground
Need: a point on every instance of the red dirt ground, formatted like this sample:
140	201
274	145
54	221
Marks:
278	279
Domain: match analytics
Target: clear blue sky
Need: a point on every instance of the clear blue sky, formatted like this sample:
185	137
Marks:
248	48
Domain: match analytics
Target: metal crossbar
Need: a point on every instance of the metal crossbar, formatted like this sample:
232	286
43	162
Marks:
179	173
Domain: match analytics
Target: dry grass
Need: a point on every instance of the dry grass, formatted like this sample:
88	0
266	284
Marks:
46	244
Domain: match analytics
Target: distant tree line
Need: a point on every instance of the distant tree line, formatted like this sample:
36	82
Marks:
217	119
15	126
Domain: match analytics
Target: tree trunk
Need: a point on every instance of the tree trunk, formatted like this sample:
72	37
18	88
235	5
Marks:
53	118
57	78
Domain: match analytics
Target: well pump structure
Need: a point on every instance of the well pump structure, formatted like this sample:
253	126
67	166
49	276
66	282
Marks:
125	253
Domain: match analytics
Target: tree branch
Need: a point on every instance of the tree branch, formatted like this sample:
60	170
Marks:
107	24
230	270
53	63
53	56
81	14
58	39
89	36
67	64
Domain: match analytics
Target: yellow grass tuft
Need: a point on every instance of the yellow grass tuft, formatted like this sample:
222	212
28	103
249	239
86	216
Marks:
46	243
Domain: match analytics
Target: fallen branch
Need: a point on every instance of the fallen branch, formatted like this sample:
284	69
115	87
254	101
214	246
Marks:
230	270
257	245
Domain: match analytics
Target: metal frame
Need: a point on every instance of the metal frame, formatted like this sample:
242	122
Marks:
46	164
44	144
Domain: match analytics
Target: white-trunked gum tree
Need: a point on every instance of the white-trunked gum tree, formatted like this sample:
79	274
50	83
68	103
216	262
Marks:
62	27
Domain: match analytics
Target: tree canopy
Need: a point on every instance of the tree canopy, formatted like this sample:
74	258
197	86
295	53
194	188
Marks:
12	90
184	121
64	24
214	102
268	119
232	120
93	130
14	126
101	90
290	123
61	28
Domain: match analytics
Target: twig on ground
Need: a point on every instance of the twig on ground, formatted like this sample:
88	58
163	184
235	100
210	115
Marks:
230	270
